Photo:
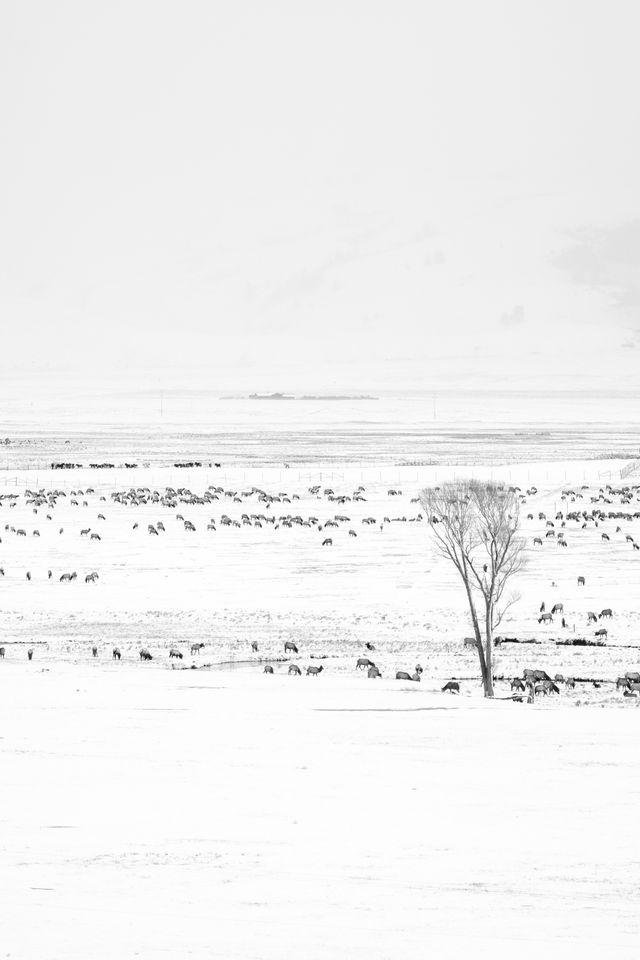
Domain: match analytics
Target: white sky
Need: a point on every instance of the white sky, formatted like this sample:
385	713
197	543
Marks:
327	194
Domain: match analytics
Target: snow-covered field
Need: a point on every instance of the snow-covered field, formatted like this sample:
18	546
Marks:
270	582
153	810
197	814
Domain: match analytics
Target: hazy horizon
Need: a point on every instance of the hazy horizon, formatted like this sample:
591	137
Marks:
300	197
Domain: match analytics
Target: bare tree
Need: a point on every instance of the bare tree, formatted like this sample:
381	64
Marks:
475	526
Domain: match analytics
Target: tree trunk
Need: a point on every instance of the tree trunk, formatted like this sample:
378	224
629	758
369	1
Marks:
485	671
488	688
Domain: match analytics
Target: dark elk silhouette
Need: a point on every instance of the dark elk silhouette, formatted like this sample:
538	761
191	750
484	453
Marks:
452	687
314	671
115	653
290	647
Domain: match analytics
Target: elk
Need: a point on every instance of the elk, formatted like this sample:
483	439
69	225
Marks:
403	675
363	663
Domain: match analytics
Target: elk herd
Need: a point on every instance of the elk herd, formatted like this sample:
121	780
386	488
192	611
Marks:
267	513
93	519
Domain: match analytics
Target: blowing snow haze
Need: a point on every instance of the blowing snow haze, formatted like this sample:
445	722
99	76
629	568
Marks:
341	195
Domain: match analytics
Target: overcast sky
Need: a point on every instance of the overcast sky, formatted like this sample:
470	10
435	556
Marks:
337	194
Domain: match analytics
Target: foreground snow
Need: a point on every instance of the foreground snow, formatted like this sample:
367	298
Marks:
176	814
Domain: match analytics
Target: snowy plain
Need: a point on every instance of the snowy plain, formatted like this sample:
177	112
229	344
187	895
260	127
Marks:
154	810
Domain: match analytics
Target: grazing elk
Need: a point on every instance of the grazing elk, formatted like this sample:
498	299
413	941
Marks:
545	618
314	671
254	646
116	654
373	672
294	670
537	676
452	686
145	655
581	581
173	653
268	669
290	647
363	663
